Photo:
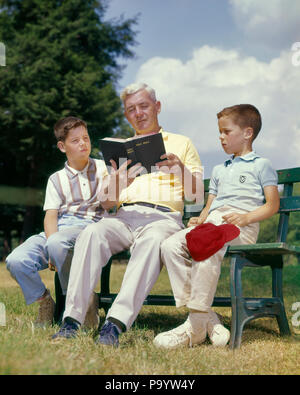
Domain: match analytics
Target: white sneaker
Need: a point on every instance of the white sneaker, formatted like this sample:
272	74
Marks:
92	319
46	311
180	336
217	333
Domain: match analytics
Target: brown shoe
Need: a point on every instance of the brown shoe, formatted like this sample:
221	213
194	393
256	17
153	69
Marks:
46	311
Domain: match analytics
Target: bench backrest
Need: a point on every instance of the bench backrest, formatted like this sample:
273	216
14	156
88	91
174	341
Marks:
288	201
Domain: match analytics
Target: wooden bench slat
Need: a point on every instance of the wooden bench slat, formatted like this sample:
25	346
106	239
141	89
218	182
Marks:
266	248
289	175
289	204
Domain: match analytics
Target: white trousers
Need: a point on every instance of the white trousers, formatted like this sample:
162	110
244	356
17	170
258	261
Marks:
142	229
194	283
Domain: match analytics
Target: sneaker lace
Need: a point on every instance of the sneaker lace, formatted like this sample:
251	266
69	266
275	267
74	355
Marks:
181	332
68	326
107	329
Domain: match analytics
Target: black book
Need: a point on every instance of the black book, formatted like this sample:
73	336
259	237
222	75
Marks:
146	150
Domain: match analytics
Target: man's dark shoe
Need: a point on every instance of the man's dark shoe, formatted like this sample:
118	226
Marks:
109	334
68	330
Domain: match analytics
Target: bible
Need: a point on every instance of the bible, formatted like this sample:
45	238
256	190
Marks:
146	150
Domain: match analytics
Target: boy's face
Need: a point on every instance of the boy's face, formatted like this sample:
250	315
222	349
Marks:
77	145
234	139
142	112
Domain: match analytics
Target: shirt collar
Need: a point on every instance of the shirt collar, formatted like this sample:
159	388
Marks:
247	158
161	130
164	133
71	172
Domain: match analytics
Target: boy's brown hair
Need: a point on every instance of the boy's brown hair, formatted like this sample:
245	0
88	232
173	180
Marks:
63	126
244	115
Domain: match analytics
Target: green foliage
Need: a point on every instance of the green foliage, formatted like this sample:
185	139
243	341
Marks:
61	59
268	230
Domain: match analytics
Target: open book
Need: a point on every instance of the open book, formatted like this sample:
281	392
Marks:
146	150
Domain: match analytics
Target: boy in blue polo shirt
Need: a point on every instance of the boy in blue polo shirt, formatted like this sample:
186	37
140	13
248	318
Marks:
237	192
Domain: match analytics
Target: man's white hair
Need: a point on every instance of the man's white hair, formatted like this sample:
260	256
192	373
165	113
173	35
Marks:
133	88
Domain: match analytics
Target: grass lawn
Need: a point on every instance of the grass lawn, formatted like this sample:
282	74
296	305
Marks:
26	350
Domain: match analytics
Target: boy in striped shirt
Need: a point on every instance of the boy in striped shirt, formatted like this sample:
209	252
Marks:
71	203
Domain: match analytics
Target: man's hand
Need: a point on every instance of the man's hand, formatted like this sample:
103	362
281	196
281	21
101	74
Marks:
192	182
117	180
123	177
236	219
51	266
171	164
194	221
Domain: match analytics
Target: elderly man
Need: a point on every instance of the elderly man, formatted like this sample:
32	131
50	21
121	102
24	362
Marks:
149	210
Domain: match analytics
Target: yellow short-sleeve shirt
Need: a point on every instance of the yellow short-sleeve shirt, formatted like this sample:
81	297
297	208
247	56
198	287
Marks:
161	188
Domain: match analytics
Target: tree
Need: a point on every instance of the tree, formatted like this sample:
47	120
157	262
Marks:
61	59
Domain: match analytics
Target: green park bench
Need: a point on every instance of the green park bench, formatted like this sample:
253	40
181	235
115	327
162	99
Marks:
244	309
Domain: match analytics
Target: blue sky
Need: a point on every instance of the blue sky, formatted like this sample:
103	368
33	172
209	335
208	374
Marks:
203	55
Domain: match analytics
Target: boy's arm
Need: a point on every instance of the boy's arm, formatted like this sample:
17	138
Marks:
50	222
264	212
50	227
194	221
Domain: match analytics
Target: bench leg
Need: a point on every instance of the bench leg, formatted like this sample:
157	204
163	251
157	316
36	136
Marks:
247	309
277	292
237	327
238	317
59	302
105	286
283	322
242	310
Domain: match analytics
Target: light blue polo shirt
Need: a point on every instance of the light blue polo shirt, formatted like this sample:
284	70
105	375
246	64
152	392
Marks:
239	182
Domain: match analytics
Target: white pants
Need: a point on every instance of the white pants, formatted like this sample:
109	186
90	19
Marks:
142	229
194	283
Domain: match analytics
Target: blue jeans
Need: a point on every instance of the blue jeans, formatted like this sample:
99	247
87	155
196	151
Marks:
25	261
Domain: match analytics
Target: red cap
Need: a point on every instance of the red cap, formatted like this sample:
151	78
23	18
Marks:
206	239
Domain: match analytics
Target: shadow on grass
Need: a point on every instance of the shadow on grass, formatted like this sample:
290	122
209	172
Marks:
256	330
159	322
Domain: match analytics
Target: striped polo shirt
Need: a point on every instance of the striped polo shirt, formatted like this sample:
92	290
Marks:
76	192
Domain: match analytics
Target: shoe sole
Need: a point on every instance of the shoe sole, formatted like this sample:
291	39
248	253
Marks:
157	343
223	343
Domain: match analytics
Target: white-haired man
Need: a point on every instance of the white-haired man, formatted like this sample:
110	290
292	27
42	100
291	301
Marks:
149	210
